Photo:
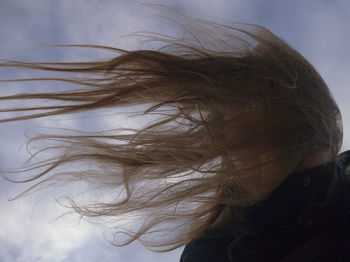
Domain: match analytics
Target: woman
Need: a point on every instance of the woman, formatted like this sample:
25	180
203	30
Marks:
241	166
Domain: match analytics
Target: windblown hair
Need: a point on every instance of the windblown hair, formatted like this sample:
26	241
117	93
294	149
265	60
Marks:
239	108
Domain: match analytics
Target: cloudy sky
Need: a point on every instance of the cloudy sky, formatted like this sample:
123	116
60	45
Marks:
319	29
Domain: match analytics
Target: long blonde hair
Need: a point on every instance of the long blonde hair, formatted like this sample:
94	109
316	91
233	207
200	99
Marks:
239	109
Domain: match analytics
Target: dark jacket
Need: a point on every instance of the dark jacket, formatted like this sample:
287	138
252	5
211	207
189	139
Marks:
305	219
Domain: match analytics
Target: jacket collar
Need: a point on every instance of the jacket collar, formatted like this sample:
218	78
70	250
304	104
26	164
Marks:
299	198
304	205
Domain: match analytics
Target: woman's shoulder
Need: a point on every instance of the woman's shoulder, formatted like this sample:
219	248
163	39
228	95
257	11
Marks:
211	246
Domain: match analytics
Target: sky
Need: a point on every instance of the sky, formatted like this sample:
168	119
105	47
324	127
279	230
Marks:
28	229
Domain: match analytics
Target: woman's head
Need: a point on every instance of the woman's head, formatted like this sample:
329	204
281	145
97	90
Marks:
240	109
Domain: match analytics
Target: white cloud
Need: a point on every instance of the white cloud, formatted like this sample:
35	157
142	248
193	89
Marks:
29	235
